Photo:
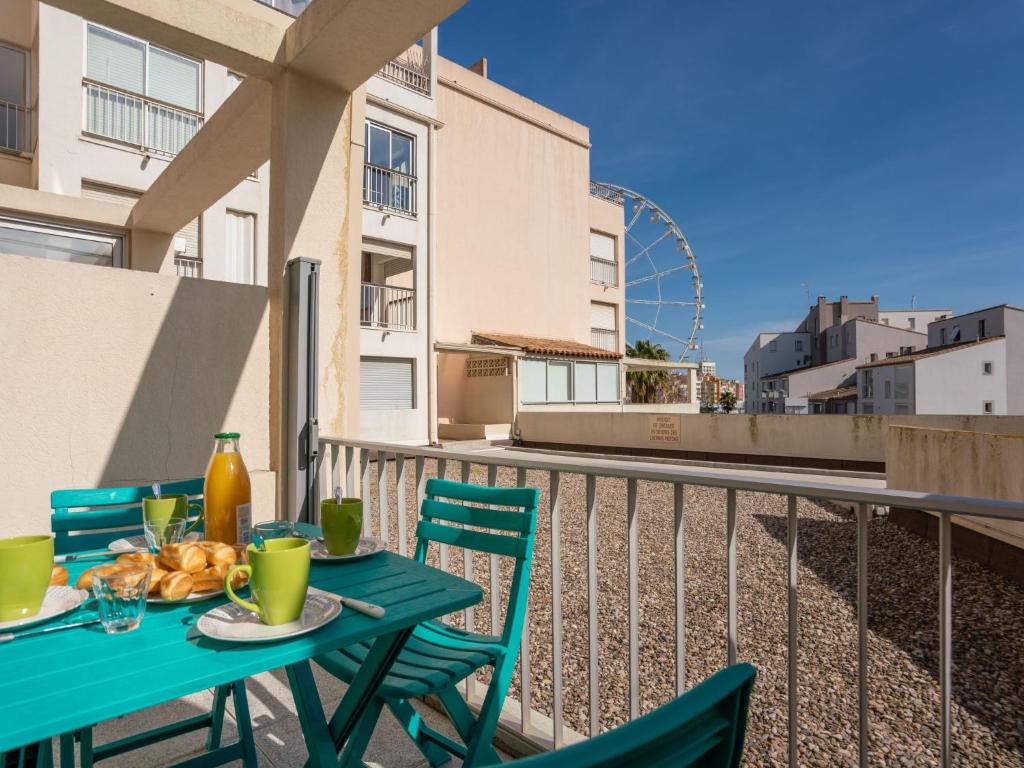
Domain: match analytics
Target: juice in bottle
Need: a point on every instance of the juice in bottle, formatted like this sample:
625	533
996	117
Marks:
227	493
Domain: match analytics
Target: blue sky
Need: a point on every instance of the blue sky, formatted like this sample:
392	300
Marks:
861	147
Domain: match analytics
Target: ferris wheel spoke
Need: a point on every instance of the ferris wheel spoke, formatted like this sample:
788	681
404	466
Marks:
665	301
648	278
652	329
645	250
636	216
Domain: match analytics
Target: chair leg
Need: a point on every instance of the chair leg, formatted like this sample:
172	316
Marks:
475	733
67	750
355	747
220	697
85	748
480	750
413	723
244	722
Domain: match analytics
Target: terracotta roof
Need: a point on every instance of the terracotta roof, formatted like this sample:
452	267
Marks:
834	394
930	352
539	346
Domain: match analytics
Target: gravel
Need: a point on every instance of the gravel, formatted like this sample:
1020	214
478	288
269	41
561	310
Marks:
988	617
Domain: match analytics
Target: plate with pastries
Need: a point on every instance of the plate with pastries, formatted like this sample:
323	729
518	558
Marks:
182	573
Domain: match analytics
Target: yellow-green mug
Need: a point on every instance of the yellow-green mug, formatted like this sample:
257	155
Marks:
278	578
170	506
342	523
25	565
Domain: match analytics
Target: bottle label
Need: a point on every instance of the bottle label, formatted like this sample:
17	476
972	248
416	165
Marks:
243	523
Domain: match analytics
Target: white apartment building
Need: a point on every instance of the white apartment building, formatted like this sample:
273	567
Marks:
771	353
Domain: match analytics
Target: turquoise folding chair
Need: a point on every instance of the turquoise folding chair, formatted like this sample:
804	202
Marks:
38	755
90	519
704	728
438	656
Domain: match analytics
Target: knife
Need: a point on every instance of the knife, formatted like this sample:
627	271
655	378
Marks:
6	638
73	558
369	609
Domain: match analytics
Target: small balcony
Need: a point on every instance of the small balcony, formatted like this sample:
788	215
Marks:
409	70
138	121
604	272
603	338
15	127
389	190
388	307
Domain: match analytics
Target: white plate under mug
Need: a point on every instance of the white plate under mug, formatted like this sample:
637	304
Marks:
368	545
58	601
135	543
236	624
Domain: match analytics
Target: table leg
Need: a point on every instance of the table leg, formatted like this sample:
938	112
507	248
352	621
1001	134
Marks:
315	729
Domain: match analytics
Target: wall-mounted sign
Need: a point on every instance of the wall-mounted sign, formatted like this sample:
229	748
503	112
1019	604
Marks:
664	429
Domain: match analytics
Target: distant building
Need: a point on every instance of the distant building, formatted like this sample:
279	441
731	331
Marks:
771	353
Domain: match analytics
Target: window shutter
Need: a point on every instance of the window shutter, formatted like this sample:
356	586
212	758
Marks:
174	79
602	316
602	246
385	384
94	191
115	60
241	247
190	232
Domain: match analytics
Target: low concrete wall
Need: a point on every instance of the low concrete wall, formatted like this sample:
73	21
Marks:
800	440
116	377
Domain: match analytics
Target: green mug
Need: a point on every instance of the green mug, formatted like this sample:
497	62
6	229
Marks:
25	565
278	577
342	524
170	506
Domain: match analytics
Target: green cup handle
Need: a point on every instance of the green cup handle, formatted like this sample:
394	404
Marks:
246	569
199	518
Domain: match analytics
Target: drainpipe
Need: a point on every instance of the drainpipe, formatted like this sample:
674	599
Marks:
432	252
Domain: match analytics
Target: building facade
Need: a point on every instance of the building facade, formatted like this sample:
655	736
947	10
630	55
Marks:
769	354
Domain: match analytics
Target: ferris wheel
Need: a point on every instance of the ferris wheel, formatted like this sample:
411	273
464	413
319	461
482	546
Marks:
664	289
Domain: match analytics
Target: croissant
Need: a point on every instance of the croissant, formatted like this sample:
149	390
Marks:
176	585
218	553
58	576
182	557
137	557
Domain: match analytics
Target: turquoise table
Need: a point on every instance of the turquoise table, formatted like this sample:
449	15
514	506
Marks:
60	682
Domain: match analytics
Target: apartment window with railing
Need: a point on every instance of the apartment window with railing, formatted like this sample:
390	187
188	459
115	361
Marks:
603	328
389	177
388	294
411	70
604	269
15	113
140	94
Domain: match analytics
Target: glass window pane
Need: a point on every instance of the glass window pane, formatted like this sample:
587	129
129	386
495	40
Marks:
608	382
56	244
378	148
401	153
115	60
533	385
174	79
559	380
586	383
12	75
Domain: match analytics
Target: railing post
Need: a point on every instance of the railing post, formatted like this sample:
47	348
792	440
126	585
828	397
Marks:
526	713
633	578
382	497
731	572
946	634
350	471
792	689
678	502
558	716
364	479
595	670
864	740
492	480
403	545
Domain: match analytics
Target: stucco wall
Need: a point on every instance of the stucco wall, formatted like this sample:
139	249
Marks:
960	464
833	437
119	377
954	382
489	400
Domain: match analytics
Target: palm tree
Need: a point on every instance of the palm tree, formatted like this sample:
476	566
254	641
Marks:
644	386
728	401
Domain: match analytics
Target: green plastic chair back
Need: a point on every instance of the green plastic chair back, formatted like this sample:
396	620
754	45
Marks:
704	728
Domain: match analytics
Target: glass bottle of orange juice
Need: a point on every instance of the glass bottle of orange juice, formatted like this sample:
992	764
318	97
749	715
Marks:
227	494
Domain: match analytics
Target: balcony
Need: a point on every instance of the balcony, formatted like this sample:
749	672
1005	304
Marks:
187	267
604	339
138	121
15	127
604	272
389	190
387	307
409	70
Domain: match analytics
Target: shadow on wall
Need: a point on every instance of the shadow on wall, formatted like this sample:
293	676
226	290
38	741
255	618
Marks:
988	612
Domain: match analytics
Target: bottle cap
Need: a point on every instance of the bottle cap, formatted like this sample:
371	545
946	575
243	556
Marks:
227	435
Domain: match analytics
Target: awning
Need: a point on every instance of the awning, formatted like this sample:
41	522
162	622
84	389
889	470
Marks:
539	346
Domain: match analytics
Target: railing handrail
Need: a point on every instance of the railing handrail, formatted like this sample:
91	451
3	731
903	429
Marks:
142	97
368	284
376	167
959	505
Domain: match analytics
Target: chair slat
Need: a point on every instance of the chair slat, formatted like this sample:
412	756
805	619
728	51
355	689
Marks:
525	498
98	497
520	522
475	540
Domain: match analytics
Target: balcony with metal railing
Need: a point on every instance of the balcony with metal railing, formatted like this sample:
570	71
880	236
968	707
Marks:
604	272
409	70
388	307
604	339
138	121
389	190
15	127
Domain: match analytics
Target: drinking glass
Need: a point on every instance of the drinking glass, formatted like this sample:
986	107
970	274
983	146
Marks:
121	596
159	533
272	529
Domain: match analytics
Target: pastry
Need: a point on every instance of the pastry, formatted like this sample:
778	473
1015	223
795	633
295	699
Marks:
218	553
85	580
58	576
154	580
182	557
176	585
210	578
137	557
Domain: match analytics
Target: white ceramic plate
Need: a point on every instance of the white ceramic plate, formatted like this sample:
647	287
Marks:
132	543
234	623
367	546
194	597
58	601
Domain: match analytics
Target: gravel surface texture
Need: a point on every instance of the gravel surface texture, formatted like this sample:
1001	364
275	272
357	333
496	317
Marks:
988	617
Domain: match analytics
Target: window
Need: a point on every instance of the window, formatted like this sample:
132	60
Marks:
986	368
240	248
798	345
565	381
40	239
942	337
773	345
386	384
901	409
911	322
906	350
390	175
15	116
868	388
988	407
955	336
888	389
901	375
140	94
885	321
603	267
603	328
867	408
559	381
981	328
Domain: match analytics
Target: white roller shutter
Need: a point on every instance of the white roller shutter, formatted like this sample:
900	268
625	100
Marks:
602	316
602	246
174	78
241	247
385	384
115	59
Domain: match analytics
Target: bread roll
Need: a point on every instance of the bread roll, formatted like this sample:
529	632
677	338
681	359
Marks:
85	580
182	557
137	557
176	585
58	576
155	579
218	553
210	578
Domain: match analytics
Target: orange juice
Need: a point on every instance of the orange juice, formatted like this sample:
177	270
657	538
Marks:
227	493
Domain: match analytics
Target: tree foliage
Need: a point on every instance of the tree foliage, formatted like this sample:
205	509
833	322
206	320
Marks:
645	386
728	401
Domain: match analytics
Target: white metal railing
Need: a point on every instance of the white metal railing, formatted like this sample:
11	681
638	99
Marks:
604	339
408	71
346	463
15	127
604	272
387	306
291	7
132	119
186	267
389	189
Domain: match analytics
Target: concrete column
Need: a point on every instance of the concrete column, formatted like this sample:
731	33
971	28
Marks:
314	211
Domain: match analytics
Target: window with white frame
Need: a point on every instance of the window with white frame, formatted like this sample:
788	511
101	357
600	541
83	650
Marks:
140	94
240	248
604	268
567	381
46	240
387	384
868	387
901	377
389	179
15	116
603	326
